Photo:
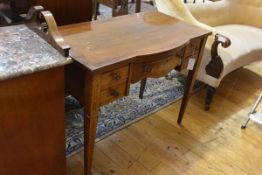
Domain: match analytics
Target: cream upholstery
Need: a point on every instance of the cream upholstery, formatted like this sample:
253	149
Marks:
248	48
177	8
239	20
246	12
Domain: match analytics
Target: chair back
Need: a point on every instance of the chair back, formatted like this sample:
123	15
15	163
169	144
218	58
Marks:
175	8
247	12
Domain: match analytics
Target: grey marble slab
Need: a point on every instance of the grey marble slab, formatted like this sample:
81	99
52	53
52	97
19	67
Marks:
22	52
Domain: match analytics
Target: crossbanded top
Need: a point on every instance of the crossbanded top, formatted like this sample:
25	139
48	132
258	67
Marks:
101	44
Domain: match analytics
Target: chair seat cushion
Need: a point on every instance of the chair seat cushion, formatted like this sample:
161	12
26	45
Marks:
246	46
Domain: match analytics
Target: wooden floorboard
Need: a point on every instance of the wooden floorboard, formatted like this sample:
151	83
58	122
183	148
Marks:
208	143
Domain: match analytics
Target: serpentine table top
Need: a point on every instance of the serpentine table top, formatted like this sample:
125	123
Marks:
104	43
22	52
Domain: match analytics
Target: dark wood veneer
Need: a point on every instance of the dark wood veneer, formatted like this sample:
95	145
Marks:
216	66
32	124
65	11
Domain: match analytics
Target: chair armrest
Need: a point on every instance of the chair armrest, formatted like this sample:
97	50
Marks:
211	13
216	66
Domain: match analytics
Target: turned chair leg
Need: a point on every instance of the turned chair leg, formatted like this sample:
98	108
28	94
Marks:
142	88
209	96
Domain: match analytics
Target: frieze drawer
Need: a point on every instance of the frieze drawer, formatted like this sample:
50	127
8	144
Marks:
114	77
154	69
112	93
192	48
185	61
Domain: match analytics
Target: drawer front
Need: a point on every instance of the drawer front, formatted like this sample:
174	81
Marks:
192	48
192	51
154	69
112	93
114	77
185	60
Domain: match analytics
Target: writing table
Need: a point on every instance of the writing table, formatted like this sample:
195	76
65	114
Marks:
110	55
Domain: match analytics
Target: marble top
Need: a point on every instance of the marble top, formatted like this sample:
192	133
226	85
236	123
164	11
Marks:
22	52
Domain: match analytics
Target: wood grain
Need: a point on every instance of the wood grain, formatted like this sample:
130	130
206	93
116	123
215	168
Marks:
191	78
131	45
64	10
154	65
114	92
43	23
105	43
216	66
208	142
115	76
32	130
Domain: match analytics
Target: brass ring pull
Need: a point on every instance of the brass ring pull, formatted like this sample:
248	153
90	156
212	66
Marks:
113	93
116	76
179	55
147	68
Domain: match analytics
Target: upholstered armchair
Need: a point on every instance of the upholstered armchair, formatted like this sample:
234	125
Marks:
236	25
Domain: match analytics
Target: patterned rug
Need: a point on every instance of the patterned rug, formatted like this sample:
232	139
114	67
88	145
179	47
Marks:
125	111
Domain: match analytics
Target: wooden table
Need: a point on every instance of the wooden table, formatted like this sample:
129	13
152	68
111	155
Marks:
112	54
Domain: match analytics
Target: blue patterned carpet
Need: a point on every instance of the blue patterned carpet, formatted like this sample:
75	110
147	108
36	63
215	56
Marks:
125	111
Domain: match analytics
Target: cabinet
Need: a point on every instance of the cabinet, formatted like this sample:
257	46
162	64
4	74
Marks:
65	11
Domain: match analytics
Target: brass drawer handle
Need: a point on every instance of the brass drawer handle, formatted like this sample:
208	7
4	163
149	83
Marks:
147	68
116	76
180	54
113	93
